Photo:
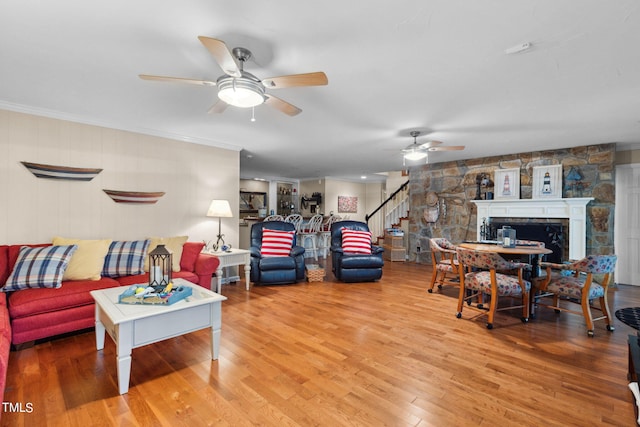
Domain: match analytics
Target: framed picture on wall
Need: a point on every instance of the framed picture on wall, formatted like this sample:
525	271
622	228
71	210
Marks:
547	182
507	184
347	204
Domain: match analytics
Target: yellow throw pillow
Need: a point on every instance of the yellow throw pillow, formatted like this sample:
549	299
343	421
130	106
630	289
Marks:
87	261
173	244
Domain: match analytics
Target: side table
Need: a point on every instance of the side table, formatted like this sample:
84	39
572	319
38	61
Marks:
231	258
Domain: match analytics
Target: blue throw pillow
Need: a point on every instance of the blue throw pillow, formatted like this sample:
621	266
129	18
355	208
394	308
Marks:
125	258
41	267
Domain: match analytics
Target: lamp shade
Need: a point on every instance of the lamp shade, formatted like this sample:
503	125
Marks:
220	209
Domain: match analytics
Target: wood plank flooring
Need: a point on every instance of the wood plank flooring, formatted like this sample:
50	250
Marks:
329	354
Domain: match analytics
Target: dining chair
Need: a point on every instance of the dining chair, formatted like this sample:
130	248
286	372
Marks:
529	243
578	287
444	262
308	233
479	273
530	260
274	218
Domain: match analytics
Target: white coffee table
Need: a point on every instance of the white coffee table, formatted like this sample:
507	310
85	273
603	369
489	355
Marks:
231	258
133	326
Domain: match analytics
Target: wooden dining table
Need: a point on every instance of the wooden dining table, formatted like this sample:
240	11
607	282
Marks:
523	249
531	249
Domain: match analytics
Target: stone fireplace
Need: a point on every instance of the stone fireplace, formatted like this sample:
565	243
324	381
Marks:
574	210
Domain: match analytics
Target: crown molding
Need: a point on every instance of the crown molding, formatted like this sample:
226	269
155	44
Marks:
52	114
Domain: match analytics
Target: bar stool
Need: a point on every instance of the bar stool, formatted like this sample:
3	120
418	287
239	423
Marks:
295	219
324	235
309	233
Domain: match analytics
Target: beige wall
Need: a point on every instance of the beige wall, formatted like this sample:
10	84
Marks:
627	157
368	195
254	185
394	181
307	188
34	210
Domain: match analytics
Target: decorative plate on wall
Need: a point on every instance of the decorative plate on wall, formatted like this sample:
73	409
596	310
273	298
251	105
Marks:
139	197
61	172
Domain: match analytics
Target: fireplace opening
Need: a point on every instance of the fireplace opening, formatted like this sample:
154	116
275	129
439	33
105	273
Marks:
551	233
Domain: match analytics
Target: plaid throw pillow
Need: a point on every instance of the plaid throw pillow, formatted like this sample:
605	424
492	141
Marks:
356	242
276	242
40	267
125	258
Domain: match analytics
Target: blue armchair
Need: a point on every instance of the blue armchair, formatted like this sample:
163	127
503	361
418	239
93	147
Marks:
275	270
349	267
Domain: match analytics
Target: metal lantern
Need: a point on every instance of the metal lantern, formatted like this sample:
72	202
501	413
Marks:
507	237
160	267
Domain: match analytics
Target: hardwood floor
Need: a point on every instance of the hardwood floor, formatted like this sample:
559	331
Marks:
369	354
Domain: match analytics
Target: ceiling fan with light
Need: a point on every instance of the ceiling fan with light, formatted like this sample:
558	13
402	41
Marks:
240	88
417	151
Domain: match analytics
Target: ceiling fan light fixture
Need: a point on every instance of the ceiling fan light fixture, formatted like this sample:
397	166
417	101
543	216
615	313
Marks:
240	92
415	155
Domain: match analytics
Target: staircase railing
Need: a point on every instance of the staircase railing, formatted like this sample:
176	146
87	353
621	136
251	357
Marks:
390	211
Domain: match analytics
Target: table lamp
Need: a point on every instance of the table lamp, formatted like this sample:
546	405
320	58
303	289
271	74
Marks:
220	209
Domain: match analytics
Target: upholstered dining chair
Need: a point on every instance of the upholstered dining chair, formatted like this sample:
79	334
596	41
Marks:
444	262
489	281
529	243
578	287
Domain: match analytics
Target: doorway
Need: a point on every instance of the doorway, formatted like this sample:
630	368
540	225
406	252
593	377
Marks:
627	224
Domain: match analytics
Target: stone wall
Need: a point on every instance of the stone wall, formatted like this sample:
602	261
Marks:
455	185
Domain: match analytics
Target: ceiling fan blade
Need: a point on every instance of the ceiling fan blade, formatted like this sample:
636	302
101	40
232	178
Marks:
294	80
218	107
430	144
222	55
447	148
177	80
281	105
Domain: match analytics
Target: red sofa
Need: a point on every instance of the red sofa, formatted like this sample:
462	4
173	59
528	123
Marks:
5	342
31	314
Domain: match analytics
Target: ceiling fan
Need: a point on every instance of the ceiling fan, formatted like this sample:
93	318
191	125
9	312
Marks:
417	151
240	88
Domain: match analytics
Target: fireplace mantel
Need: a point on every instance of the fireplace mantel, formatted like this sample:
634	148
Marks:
574	209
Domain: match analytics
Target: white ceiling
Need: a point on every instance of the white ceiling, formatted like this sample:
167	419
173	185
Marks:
436	66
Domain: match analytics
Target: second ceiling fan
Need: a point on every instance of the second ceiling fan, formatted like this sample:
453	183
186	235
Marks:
240	88
417	151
